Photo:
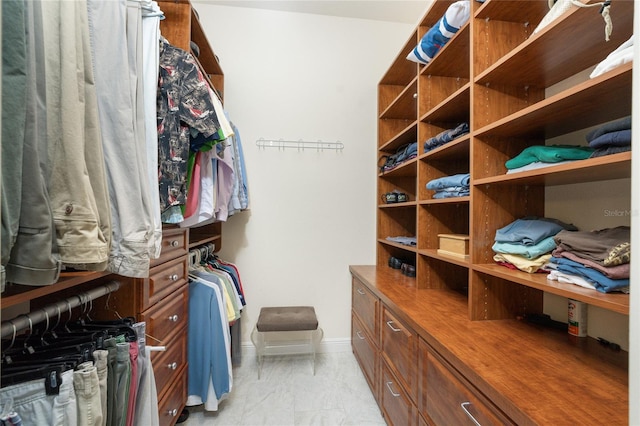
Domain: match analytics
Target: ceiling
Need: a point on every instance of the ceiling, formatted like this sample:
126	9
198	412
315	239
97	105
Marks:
406	11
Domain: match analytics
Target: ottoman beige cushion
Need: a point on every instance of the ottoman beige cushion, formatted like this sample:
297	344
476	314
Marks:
287	318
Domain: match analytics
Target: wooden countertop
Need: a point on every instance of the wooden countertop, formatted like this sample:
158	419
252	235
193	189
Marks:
535	375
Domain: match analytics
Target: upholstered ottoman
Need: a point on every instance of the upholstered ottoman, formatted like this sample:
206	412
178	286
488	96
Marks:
286	330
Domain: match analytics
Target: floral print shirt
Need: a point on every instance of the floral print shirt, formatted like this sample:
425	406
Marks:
184	102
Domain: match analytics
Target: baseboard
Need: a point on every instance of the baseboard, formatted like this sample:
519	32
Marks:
326	346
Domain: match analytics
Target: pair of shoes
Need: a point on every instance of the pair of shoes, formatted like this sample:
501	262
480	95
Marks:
395	263
408	270
395	197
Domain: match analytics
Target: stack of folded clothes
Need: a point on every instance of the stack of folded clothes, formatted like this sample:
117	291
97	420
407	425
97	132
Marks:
526	244
402	154
593	259
407	241
538	156
446	137
611	138
450	186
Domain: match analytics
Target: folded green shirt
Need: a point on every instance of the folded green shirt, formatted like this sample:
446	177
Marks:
548	154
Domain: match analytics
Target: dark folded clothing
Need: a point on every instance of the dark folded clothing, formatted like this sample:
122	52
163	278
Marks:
617	138
445	137
607	247
601	152
621	124
601	282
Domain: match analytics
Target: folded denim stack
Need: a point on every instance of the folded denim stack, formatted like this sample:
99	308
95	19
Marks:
407	241
450	186
526	244
446	137
611	138
593	259
402	154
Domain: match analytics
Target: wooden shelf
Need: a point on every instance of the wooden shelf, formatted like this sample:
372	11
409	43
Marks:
406	204
402	71
615	166
542	61
407	135
408	168
455	150
616	302
452	200
521	11
398	246
433	15
404	106
452	60
15	294
569	110
450	259
453	109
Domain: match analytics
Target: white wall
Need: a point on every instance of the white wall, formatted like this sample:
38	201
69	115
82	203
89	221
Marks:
634	315
300	76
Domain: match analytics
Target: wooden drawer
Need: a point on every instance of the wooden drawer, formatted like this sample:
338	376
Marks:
171	404
399	346
167	318
366	305
175	243
450	399
366	353
165	279
397	407
166	365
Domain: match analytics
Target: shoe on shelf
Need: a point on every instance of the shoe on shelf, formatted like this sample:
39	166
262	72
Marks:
395	263
394	196
390	198
408	270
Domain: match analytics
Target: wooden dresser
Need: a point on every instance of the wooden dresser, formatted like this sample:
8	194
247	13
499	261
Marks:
435	366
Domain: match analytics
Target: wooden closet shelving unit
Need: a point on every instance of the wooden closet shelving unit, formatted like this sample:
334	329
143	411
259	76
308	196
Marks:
515	89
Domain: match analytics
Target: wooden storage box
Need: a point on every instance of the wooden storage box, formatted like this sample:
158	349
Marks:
453	245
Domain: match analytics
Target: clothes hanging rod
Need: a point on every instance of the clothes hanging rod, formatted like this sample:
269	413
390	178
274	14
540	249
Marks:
300	144
25	321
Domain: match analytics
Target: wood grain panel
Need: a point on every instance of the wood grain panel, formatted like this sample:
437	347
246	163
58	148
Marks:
398	346
540	363
397	407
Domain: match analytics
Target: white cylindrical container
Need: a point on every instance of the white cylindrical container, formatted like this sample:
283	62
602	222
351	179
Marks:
577	317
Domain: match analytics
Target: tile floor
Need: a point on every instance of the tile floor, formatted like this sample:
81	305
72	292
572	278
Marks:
289	394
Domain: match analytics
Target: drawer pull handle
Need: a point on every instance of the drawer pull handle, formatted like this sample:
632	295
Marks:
173	412
173	318
395	394
359	335
174	243
392	327
473	419
172	366
173	277
360	291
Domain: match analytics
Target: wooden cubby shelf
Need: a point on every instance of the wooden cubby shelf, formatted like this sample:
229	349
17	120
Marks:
616	302
516	90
